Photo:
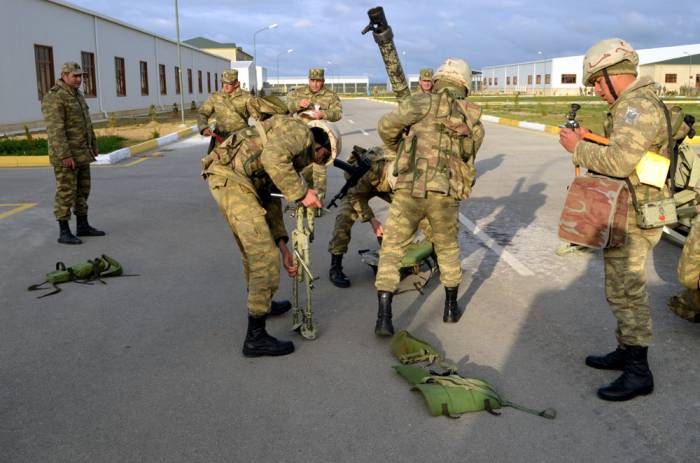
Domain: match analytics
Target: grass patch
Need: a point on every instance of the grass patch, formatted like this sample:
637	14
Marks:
39	147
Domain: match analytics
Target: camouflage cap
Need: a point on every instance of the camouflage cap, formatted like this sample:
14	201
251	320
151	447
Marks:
455	70
71	68
426	74
229	76
316	74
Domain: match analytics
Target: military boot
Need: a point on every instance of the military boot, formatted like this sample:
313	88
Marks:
614	360
84	228
65	236
280	307
636	378
384	326
452	312
258	343
335	274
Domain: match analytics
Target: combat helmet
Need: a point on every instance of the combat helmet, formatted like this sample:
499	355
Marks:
333	134
609	57
455	70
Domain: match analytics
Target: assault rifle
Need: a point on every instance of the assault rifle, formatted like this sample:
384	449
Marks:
356	172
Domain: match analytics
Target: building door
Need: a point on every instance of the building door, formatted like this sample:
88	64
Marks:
697	81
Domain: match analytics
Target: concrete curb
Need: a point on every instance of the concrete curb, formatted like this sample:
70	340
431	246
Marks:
529	125
104	159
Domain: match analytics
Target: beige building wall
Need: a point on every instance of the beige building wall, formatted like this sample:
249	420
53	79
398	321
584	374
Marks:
673	76
232	54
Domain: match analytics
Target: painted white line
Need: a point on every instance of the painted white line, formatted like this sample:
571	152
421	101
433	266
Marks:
490	243
351	121
364	132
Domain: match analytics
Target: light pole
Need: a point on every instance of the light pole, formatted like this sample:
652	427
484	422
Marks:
291	50
255	63
330	73
690	70
179	65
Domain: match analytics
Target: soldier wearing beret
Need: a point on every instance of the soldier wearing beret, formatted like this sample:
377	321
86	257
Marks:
72	147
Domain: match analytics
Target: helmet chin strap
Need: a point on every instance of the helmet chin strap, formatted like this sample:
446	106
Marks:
611	88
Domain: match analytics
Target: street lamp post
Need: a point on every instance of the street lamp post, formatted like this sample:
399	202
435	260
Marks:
330	74
255	63
179	65
291	50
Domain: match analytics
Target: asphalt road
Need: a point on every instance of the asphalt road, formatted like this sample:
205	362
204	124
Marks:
149	368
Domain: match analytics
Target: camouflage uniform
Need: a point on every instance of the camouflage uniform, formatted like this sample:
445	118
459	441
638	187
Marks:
70	135
355	205
687	304
241	174
426	74
435	166
635	124
329	103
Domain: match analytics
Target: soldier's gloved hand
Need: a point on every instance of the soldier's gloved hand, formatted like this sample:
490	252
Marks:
68	162
304	103
377	227
311	199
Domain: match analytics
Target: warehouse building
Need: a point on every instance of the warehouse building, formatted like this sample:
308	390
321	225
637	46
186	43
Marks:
128	69
563	76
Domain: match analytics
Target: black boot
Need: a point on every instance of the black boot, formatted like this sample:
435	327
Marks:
84	228
335	274
452	312
258	342
280	307
636	378
614	360
384	326
65	236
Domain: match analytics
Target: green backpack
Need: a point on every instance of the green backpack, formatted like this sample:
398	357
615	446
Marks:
448	393
83	272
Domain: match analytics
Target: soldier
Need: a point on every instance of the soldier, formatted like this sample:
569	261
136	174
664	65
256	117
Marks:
687	304
435	167
241	174
425	81
72	147
377	182
635	124
315	101
231	106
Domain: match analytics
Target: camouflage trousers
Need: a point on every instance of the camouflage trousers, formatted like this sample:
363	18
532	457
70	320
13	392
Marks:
687	304
404	216
260	255
625	283
72	191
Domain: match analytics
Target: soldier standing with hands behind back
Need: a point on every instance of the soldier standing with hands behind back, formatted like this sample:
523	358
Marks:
636	123
72	147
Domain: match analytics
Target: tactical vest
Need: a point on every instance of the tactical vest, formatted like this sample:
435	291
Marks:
438	152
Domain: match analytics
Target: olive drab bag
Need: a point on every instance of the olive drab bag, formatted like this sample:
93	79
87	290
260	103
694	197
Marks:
84	272
447	393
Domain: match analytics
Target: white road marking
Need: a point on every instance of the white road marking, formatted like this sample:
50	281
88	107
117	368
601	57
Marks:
490	243
364	132
351	121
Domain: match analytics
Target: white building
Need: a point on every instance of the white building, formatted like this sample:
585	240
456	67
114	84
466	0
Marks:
561	76
128	68
339	84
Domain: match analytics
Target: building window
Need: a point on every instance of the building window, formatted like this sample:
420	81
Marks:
89	80
568	78
177	80
538	80
208	82
515	80
189	80
43	58
144	77
670	78
495	81
120	76
529	79
199	80
547	79
508	80
216	82
163	82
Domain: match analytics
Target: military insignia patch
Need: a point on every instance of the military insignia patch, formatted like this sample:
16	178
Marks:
632	116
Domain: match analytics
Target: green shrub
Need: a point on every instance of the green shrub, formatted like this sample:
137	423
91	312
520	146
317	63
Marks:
155	134
152	114
40	147
110	143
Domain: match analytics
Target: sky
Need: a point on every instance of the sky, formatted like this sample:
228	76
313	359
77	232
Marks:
483	32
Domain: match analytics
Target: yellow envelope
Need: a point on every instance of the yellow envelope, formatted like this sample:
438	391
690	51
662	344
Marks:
653	169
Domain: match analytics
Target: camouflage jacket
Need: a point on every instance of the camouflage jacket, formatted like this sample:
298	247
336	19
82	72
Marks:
376	182
68	125
325	98
635	123
437	154
231	111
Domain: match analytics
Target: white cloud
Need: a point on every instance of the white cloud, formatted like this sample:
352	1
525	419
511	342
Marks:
303	24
